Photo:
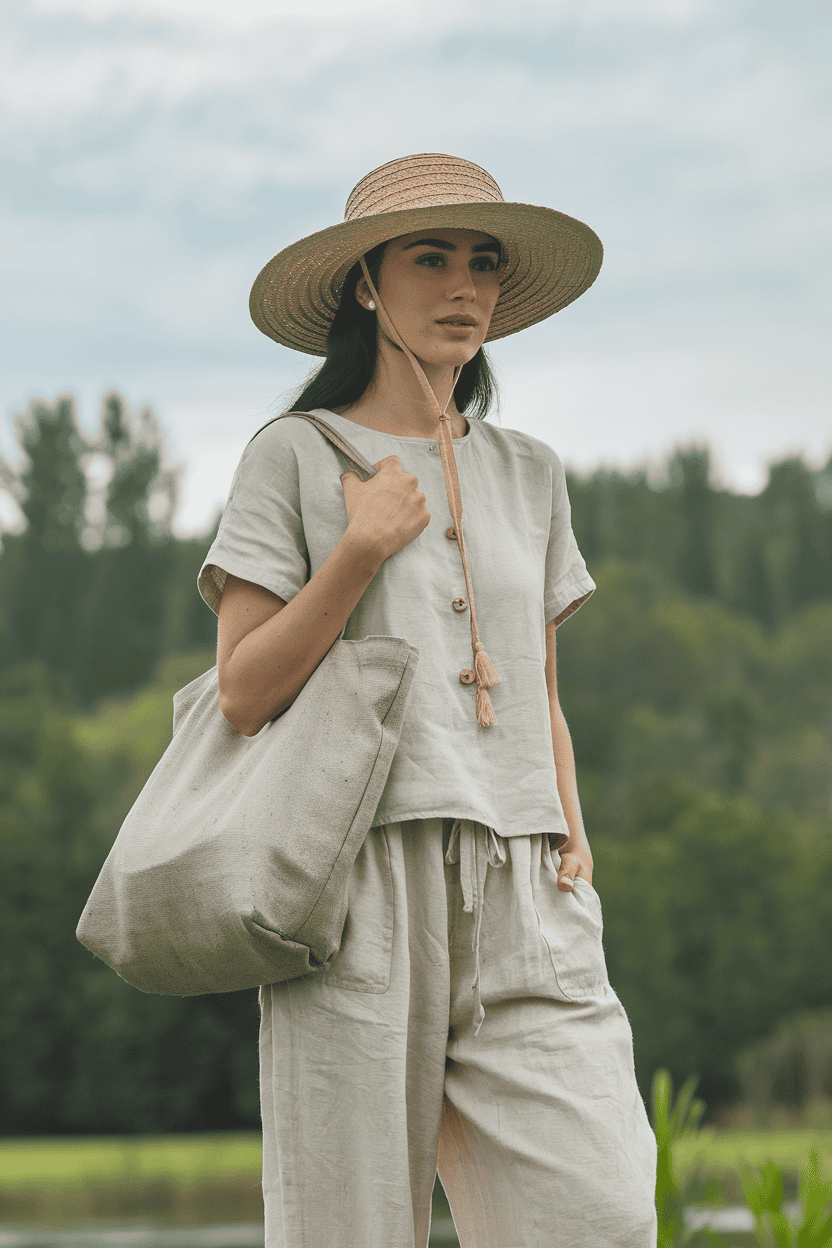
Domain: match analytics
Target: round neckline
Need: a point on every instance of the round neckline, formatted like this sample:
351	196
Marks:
400	437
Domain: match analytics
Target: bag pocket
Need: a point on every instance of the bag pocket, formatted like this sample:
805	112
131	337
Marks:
572	926
363	962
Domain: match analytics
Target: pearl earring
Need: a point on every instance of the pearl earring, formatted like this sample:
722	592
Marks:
371	305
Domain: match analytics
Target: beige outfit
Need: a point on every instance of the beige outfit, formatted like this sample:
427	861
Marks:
372	1069
286	513
467	1018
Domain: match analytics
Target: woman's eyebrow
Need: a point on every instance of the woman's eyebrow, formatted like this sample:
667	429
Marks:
431	242
444	245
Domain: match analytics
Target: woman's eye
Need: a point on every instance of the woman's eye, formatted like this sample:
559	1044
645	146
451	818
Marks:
431	259
484	264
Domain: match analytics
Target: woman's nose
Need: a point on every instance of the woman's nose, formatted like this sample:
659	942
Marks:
462	285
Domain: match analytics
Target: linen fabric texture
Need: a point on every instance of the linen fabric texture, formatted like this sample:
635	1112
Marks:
374	1069
286	513
232	867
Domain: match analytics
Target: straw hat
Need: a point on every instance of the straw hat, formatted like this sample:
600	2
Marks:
551	259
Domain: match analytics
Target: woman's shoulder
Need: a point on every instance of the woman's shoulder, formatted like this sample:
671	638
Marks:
289	430
283	445
275	458
517	443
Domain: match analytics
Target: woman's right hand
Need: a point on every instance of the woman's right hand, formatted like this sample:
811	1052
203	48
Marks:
388	511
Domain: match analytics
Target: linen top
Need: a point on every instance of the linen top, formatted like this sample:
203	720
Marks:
286	513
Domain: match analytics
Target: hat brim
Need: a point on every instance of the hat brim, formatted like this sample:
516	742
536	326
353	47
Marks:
551	259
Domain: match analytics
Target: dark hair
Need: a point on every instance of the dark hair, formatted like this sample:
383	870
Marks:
351	350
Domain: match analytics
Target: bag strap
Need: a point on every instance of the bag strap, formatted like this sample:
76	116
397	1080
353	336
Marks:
351	453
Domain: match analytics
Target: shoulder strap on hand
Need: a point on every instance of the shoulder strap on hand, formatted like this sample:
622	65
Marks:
351	453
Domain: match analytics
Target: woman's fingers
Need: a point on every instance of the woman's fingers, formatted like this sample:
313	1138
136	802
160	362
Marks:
389	510
570	867
352	483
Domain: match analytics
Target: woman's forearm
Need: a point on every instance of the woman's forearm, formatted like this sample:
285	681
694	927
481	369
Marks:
568	790
269	666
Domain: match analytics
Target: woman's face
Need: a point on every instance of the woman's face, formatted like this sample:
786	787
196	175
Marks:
439	288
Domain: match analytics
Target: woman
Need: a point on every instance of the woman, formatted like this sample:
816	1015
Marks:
467	1021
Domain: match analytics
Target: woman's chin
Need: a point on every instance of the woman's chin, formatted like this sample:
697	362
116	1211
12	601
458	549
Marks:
450	355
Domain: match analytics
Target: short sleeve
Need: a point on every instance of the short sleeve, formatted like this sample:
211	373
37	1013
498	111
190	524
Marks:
260	537
568	584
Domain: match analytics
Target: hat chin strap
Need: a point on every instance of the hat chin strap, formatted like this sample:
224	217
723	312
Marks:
483	671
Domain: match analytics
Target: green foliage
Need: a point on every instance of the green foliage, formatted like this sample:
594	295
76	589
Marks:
791	1067
27	1163
79	1048
44	571
673	1122
695	567
197	1180
714	1159
708	938
773	1229
55	488
697	684
124	607
96	587
703	749
655	684
798	532
47	862
765	556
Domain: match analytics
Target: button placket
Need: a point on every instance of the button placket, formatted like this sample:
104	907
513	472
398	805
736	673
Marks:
467	676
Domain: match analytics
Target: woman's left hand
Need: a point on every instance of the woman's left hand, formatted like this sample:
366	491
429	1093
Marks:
571	865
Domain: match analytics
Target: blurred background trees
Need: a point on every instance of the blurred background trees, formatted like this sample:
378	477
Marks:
96	586
697	684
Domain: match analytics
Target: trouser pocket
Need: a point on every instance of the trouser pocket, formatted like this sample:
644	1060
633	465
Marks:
363	962
571	926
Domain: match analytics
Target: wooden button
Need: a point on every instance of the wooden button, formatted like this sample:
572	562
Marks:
467	676
459	604
451	534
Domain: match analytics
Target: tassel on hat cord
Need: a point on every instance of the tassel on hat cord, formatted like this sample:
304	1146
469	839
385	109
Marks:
484	671
485	711
483	667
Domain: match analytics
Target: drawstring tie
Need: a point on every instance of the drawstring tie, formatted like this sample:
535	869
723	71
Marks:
476	848
484	672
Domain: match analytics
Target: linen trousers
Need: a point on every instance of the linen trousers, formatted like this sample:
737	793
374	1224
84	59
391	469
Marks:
466	1024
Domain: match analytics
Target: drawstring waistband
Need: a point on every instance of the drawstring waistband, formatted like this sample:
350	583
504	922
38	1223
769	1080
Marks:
476	848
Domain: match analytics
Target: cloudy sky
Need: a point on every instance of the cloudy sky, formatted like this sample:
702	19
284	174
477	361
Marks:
158	152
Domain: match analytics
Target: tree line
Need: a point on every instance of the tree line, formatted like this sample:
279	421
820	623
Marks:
96	587
765	556
698	688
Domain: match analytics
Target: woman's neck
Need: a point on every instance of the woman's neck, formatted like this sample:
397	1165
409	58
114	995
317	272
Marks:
394	401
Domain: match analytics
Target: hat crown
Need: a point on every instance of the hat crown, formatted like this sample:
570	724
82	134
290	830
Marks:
430	180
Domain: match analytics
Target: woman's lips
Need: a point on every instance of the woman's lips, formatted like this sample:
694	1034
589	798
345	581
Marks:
458	322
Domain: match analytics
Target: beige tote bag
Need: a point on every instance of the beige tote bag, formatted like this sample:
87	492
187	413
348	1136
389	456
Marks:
232	867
